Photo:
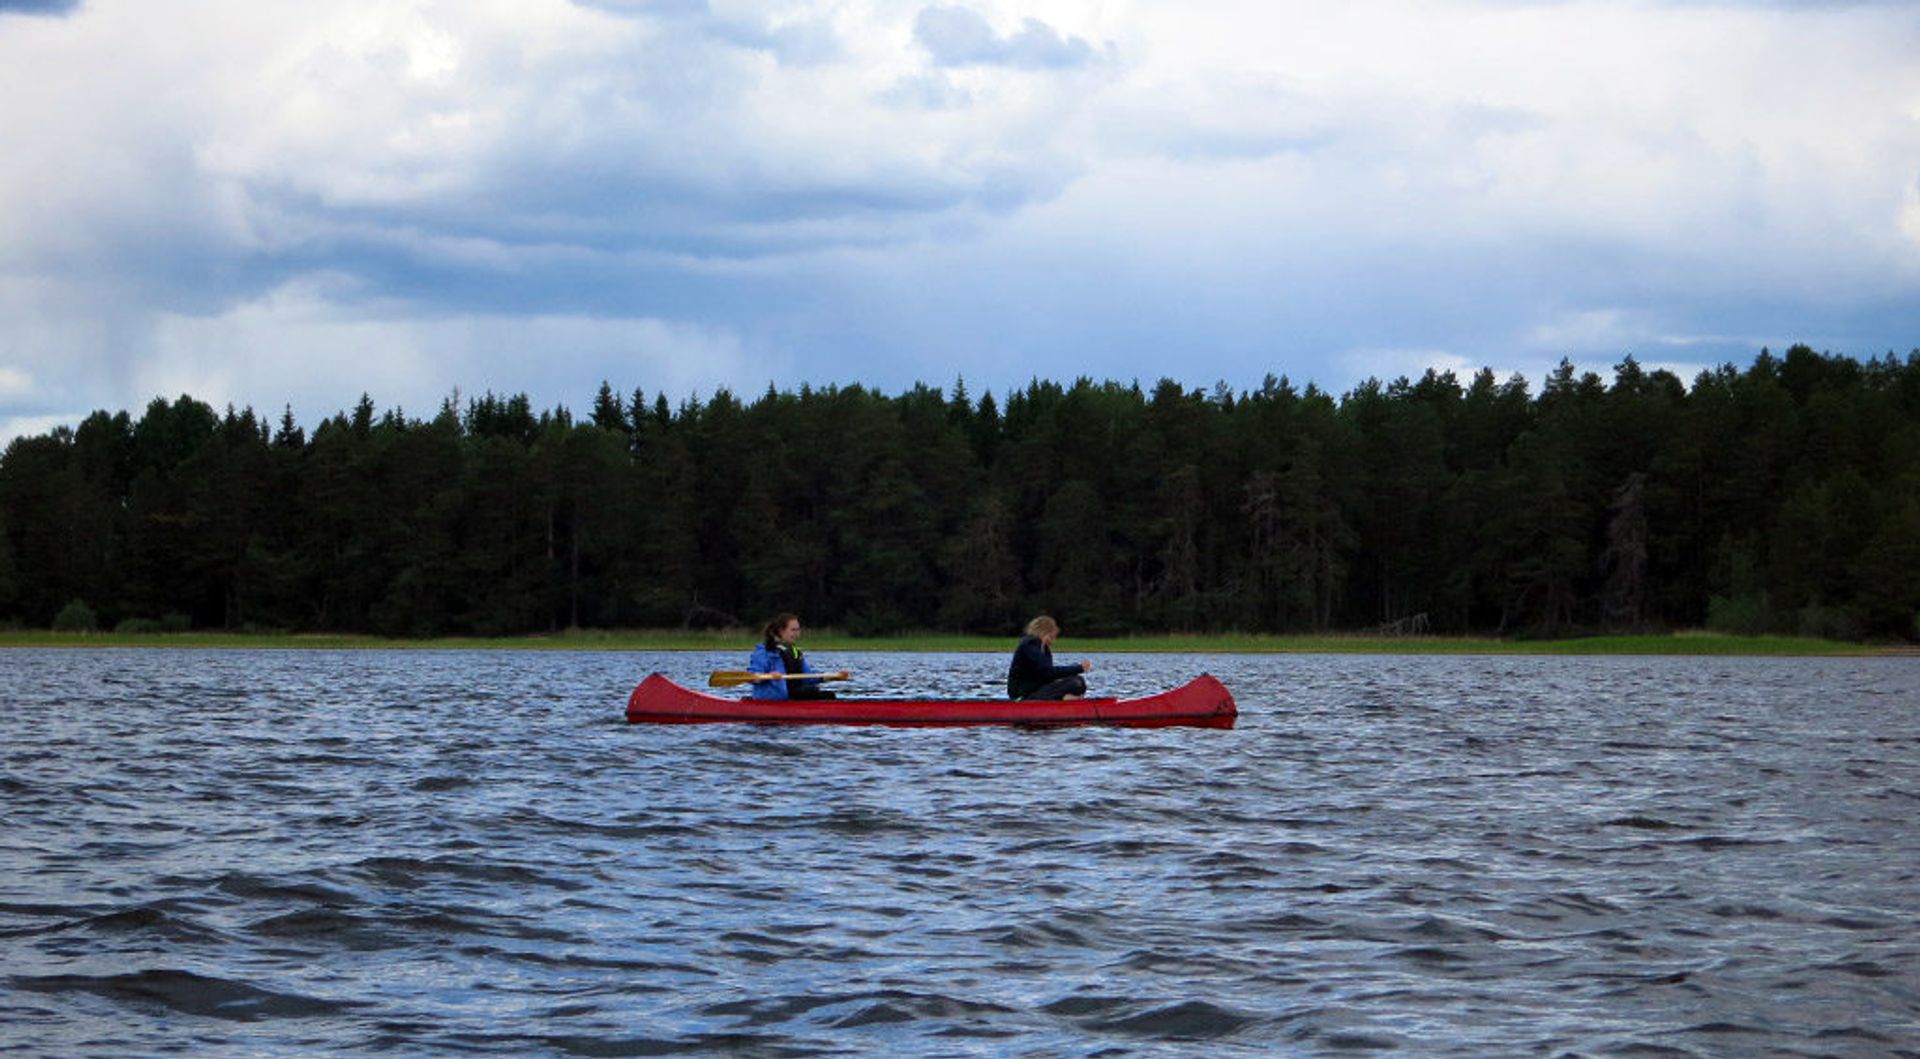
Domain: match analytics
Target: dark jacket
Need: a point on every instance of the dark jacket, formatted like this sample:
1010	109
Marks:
772	658
1033	668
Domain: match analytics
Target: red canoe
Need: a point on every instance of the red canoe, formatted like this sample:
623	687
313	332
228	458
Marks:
1202	703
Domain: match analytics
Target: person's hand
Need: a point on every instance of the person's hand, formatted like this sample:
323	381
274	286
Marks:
842	675
1086	666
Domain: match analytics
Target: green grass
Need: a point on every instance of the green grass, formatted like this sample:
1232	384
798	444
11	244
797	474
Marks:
828	640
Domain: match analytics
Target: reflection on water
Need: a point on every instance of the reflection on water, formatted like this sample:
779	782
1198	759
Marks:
246	852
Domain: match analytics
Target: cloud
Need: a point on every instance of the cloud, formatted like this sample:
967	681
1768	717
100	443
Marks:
559	158
928	91
958	36
14	383
795	37
1223	116
12	427
1910	207
658	8
611	136
1588	329
821	192
304	339
39	7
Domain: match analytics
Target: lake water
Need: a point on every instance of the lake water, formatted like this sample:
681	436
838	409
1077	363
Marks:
248	853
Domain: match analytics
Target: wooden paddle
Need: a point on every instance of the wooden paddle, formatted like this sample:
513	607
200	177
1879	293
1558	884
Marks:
733	678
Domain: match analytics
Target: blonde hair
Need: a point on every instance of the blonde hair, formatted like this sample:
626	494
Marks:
1043	626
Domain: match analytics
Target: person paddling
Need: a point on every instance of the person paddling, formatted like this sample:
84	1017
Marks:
779	652
1033	674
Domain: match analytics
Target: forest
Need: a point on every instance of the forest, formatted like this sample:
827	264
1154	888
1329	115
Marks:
1783	497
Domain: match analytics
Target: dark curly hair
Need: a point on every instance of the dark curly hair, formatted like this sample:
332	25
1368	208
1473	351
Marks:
772	632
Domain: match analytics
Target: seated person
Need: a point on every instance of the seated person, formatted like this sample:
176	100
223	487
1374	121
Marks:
779	652
1033	676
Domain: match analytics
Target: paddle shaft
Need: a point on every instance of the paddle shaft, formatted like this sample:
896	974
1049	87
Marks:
728	678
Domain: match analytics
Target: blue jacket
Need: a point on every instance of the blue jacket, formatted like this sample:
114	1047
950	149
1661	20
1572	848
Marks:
767	659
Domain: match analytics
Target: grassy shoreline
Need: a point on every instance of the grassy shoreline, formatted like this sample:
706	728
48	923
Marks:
828	640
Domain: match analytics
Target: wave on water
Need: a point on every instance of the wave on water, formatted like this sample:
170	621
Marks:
244	853
175	991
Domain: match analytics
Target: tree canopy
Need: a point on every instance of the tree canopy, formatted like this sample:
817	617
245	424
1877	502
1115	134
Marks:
1782	497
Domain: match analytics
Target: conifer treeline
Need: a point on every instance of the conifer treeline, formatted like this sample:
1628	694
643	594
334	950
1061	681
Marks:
1785	497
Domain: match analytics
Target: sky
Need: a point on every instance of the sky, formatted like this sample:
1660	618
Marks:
277	203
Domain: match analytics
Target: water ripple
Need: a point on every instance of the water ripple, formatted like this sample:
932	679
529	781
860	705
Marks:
415	853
